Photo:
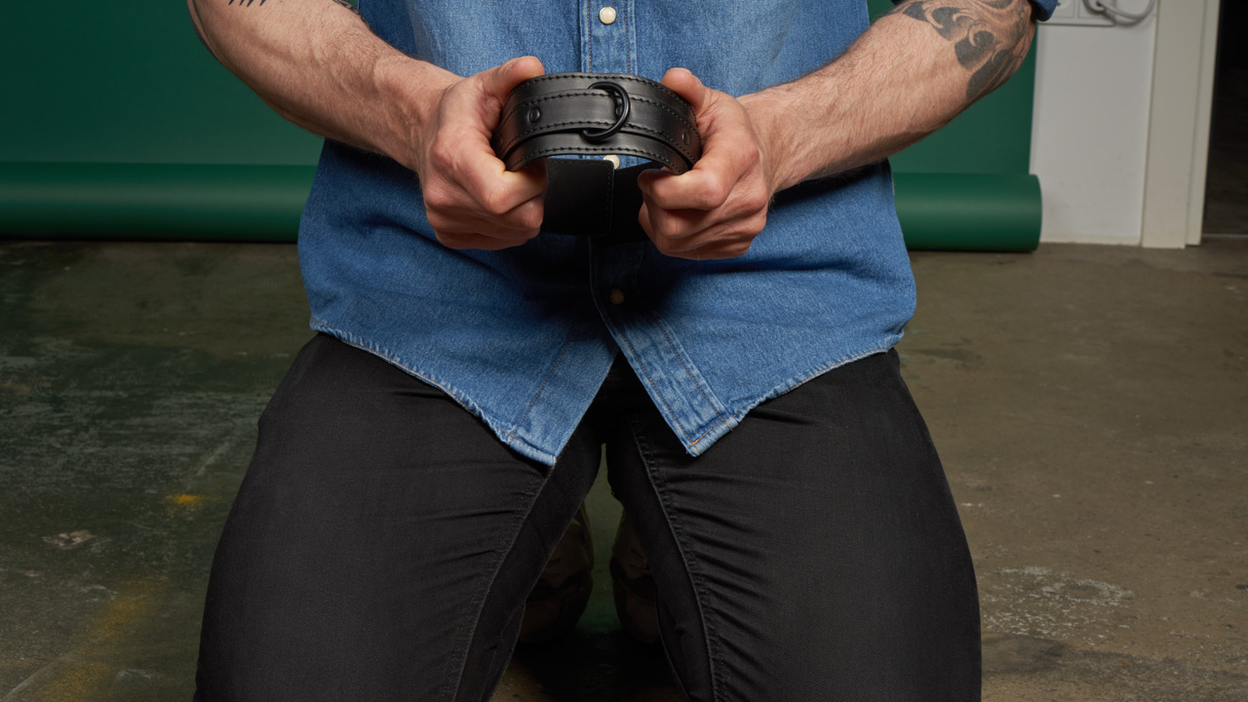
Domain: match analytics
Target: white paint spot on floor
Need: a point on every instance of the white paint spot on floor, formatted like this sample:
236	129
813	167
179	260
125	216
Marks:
69	540
1036	601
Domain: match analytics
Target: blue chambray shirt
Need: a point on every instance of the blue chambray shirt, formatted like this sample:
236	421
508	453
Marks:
523	338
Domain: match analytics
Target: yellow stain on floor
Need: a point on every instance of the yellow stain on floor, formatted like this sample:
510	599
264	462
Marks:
86	673
182	500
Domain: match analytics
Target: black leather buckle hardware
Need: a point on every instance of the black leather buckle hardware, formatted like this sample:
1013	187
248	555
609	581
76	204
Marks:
623	108
596	114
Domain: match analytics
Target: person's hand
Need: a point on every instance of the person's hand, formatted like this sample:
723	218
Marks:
471	199
715	209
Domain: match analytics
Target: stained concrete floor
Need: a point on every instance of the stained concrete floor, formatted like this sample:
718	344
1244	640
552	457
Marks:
1090	404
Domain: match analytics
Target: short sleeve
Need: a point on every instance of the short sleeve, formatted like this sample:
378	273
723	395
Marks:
1044	8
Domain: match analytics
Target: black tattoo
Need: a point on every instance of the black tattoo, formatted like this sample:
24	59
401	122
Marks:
973	26
248	3
198	23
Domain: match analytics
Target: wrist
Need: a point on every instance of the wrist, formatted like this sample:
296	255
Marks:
767	110
409	93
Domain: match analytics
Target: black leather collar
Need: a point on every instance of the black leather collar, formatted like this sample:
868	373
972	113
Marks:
596	114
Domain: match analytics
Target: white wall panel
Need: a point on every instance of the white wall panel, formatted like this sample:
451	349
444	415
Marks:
1090	131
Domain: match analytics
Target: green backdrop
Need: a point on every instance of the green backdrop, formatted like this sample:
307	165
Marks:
121	125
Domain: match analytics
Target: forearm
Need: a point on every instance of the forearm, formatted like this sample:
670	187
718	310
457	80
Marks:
318	65
907	76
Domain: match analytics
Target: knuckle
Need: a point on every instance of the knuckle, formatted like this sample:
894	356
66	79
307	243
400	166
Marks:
713	195
437	203
751	153
437	222
756	224
441	155
660	222
665	245
496	202
756	201
497	244
674	229
529	218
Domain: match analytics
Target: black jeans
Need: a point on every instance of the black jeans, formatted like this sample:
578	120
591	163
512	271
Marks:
383	543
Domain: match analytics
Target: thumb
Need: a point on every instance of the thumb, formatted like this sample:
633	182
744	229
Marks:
687	85
501	80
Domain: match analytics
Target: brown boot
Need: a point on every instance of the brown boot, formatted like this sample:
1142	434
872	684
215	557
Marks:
633	585
561	594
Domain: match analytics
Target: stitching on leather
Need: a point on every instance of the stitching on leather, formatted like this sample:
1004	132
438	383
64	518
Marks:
654	155
557	127
605	76
673	143
584	150
585	92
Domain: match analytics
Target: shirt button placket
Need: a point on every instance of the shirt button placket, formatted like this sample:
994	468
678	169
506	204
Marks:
609	36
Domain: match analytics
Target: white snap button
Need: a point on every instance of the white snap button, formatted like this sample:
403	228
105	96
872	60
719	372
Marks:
607	15
617	296
612	159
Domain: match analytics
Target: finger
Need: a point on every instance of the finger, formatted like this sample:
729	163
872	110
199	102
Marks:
706	187
482	227
499	81
702	231
676	231
497	191
457	193
716	250
467	219
682	82
721	249
717	253
475	241
678	224
728	234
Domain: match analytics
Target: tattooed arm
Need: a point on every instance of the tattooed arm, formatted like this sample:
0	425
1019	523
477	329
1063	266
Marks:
319	65
908	75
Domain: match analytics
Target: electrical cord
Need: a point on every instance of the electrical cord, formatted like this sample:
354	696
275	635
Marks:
1110	8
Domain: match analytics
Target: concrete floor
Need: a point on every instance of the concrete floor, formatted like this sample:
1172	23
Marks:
1090	404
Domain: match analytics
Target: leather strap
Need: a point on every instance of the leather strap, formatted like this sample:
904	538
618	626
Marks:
592	198
596	114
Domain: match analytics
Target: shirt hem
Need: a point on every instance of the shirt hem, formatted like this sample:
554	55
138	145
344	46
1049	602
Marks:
507	437
715	433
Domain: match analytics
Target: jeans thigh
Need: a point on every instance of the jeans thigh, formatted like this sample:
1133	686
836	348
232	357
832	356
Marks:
814	553
364	557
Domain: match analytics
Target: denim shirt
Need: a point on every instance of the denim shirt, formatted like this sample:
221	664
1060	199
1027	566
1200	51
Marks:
523	337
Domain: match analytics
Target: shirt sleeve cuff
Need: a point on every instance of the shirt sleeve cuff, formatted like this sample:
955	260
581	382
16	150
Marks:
1044	8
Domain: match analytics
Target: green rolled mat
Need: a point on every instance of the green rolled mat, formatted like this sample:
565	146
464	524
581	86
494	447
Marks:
176	202
969	211
172	202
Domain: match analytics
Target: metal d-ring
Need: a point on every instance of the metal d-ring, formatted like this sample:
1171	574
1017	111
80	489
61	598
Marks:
623	107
